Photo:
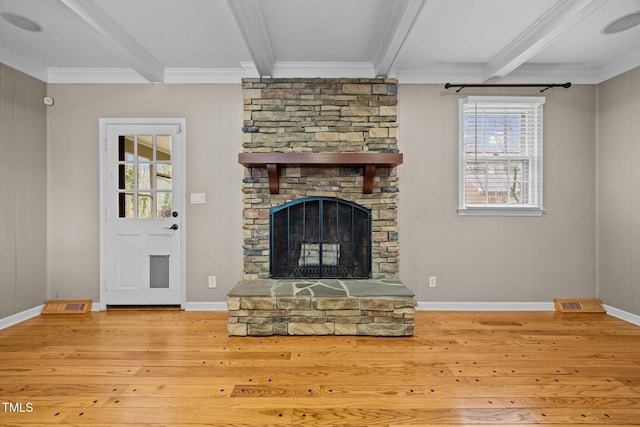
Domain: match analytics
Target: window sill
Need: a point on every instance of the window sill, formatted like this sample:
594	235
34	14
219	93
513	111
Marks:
500	211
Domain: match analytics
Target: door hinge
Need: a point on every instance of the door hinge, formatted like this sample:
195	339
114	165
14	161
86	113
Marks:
179	128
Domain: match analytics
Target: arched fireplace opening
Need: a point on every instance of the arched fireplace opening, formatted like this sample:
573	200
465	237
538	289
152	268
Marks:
320	237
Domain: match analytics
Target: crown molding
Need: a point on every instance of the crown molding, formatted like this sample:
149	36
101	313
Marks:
616	68
324	69
18	62
204	75
440	74
213	75
94	75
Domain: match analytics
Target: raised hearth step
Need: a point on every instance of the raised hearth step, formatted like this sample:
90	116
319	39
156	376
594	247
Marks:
321	307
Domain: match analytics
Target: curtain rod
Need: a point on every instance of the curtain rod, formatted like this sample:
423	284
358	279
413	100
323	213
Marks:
545	86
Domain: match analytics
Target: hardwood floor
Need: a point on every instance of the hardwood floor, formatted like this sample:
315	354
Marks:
180	368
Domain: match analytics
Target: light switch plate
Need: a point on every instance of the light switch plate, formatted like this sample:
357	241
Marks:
198	199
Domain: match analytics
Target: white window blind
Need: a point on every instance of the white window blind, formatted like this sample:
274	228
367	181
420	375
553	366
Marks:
501	155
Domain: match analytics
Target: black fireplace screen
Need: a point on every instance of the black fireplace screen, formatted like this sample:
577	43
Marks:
320	237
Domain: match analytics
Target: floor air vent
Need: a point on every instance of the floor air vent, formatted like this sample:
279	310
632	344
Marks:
67	306
579	305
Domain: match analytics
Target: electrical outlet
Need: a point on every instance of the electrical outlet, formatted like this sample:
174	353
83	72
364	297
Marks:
212	282
432	281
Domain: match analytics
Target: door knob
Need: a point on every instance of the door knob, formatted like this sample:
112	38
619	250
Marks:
173	227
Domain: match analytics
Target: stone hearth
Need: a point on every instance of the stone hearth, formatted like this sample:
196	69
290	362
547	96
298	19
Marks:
375	307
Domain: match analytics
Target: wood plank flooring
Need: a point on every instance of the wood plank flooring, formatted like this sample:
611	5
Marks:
181	369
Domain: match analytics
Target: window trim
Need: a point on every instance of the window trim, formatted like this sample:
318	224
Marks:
465	209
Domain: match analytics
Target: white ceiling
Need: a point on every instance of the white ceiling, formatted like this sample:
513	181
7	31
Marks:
416	41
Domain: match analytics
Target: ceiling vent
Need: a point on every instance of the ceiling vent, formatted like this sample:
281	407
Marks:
623	23
22	22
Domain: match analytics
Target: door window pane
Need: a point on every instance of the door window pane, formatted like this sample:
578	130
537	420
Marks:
145	147
164	204
125	148
126	205
145	201
144	176
163	148
144	171
126	177
163	176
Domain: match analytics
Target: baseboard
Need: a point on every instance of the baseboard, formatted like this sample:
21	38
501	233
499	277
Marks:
205	306
187	306
623	315
435	306
20	317
96	306
486	306
516	306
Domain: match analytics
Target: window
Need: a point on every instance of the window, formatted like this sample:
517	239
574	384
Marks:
500	155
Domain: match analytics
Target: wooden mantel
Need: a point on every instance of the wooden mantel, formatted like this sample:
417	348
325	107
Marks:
369	161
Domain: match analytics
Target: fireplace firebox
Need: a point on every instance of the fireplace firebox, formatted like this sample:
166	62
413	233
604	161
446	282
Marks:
320	237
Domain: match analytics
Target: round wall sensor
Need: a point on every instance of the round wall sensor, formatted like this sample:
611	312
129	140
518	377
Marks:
48	101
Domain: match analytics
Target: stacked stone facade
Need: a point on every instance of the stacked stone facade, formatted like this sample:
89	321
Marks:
371	316
321	307
319	116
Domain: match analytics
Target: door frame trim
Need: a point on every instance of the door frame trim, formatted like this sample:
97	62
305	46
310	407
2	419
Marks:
102	144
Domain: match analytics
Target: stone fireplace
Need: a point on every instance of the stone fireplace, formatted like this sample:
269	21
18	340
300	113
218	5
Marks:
320	190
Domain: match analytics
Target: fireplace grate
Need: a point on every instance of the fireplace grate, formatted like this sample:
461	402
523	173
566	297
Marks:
340	271
320	237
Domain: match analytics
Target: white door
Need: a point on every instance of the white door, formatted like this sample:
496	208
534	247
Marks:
143	209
